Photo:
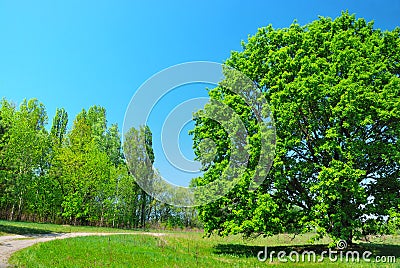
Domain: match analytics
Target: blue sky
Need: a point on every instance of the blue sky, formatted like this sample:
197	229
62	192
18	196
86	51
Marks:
74	54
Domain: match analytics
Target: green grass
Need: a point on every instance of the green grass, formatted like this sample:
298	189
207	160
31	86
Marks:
11	227
183	249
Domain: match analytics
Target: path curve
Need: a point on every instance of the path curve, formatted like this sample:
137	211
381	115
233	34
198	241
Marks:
12	243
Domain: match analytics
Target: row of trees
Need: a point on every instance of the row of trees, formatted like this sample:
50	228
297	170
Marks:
76	176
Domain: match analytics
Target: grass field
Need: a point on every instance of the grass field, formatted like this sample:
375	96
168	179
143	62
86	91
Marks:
180	249
7	227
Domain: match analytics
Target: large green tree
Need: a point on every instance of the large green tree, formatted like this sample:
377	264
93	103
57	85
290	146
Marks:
334	91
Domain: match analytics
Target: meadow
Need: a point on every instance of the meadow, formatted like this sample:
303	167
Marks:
181	249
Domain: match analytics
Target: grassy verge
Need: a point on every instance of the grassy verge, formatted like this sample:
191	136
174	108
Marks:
187	250
10	227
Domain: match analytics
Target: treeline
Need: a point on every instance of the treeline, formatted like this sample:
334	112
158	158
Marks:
76	176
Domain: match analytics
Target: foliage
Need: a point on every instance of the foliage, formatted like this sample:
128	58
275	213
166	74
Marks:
333	87
77	176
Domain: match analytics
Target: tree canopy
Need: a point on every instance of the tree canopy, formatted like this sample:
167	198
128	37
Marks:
75	175
334	91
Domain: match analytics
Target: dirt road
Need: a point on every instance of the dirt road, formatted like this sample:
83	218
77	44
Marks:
12	243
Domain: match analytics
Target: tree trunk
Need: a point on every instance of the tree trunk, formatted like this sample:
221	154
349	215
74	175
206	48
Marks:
19	208
12	212
143	210
350	239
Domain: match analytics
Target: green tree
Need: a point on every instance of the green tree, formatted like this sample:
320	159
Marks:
86	173
59	126
334	90
24	155
7	111
58	136
112	145
96	119
140	157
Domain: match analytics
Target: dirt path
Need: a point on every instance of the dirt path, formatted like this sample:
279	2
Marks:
12	243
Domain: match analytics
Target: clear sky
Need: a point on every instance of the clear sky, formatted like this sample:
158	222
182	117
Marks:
75	54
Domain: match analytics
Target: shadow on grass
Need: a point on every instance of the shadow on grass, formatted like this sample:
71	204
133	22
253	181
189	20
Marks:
240	250
22	230
381	249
